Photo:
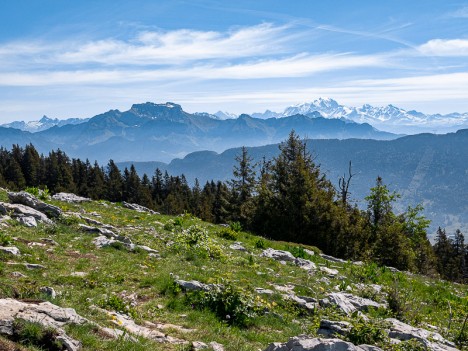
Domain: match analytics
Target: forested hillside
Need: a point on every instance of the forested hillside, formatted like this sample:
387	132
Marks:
290	199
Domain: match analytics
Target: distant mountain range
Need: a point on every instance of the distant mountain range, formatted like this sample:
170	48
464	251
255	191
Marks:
163	132
43	124
389	118
426	168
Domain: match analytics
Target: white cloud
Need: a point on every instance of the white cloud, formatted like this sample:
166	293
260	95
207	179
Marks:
158	48
297	66
444	47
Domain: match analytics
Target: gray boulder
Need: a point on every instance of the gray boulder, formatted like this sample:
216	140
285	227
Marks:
237	246
12	250
70	198
306	343
432	340
332	259
29	200
193	285
18	210
370	348
331	328
138	208
130	326
278	255
46	314
105	232
305	302
329	271
349	303
305	264
27	221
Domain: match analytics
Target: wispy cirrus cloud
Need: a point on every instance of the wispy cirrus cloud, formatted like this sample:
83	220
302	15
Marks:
460	13
159	47
297	66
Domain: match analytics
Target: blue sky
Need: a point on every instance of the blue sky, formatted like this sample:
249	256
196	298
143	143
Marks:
68	58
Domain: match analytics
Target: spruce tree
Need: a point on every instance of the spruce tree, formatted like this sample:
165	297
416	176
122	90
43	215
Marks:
114	182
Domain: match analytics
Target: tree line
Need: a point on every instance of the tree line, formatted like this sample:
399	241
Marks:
287	198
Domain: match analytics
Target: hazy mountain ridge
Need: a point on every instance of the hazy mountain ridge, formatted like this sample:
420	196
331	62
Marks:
43	124
425	168
163	132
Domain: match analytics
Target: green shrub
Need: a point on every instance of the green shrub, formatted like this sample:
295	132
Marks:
195	241
42	194
396	302
367	333
410	345
298	251
235	226
178	221
34	334
69	220
227	233
260	243
231	304
117	304
5	239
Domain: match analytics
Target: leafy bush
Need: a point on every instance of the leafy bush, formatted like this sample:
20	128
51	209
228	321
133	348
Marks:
228	233
367	333
298	251
368	273
235	226
69	220
178	221
34	334
229	303
410	345
42	194
260	243
5	239
195	241
396	302
116	304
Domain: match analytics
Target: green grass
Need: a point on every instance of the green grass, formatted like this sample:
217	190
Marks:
113	274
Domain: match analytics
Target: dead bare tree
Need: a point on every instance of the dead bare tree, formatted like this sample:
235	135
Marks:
343	184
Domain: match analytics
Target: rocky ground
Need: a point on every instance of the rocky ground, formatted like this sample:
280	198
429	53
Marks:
77	274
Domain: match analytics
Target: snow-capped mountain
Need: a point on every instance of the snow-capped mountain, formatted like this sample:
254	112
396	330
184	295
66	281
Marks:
390	118
225	115
43	124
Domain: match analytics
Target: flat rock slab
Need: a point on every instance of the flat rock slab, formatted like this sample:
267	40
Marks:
27	221
305	264
45	313
349	303
29	200
130	326
432	340
19	210
70	198
12	250
193	285
306	343
278	255
330	271
332	328
237	246
138	208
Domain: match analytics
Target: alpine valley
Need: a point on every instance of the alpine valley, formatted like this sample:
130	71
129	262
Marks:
430	169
